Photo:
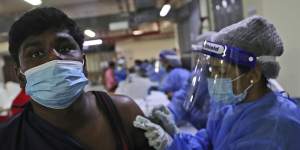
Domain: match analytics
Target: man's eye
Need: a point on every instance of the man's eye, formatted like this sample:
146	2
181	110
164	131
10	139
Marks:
65	49
37	54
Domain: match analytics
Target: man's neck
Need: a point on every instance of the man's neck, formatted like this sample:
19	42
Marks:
84	109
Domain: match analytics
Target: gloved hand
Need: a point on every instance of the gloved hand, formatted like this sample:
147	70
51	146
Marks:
157	137
165	118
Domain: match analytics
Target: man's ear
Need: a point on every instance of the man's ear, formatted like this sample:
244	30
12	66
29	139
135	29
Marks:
85	66
21	77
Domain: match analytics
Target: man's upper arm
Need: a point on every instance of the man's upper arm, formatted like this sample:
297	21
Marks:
128	110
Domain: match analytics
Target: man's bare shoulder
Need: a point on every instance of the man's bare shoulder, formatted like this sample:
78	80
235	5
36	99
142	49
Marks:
126	105
128	110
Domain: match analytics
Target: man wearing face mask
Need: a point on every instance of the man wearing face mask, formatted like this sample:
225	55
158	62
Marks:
47	48
245	114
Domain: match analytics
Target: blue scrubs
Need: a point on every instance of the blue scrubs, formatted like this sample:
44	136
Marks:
120	75
175	80
155	76
270	123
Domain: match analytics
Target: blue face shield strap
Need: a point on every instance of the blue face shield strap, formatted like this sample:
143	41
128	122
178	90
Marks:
230	54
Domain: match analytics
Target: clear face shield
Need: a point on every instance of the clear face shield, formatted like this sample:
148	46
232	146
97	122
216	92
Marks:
220	71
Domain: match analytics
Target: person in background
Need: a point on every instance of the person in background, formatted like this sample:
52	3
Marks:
155	71
109	81
245	113
120	70
17	106
174	84
176	76
46	46
137	83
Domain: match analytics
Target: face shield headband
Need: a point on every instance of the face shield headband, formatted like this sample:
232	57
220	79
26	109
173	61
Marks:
227	53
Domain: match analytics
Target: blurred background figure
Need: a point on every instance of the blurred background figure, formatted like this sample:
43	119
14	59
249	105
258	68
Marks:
120	70
137	83
176	76
109	80
12	100
155	71
17	106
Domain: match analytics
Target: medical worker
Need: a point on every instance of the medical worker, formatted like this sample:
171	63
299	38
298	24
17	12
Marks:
176	76
175	83
156	72
120	70
136	84
245	114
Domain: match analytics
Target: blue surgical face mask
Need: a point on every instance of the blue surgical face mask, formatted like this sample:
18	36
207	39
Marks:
221	91
56	84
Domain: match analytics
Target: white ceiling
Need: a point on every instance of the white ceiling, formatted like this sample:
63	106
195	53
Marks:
74	8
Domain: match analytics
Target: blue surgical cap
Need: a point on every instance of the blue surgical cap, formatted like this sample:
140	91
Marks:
171	57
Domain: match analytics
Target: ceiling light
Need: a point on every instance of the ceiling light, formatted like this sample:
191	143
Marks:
224	3
92	42
137	32
165	10
34	2
89	33
217	7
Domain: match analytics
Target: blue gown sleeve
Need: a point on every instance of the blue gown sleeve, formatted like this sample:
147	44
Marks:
184	141
176	107
168	83
271	134
175	80
267	125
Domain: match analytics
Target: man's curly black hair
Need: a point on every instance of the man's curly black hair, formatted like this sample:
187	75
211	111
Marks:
38	21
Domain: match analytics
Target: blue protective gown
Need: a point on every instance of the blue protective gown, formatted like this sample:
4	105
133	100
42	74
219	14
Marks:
120	75
175	80
270	123
155	76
